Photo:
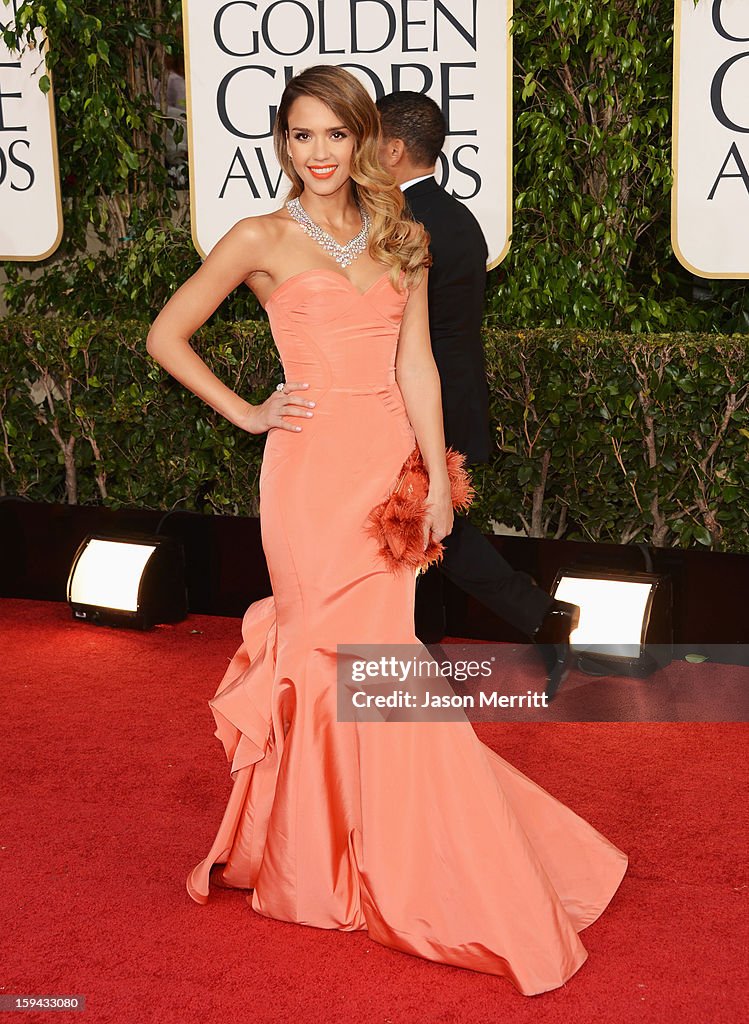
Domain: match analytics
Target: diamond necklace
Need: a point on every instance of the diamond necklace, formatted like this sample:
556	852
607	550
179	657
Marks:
342	254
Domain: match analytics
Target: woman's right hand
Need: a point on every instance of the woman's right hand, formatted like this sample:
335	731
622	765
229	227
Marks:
271	413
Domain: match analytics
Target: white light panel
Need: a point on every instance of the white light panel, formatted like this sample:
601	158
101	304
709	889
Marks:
611	612
108	574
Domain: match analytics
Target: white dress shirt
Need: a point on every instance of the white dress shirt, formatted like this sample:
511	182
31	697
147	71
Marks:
407	184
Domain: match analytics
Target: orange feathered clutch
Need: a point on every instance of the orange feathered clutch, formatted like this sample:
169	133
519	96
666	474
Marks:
397	523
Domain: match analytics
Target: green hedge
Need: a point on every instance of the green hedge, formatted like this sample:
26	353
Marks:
600	436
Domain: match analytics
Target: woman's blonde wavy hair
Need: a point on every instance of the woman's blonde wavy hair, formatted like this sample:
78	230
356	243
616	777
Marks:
395	239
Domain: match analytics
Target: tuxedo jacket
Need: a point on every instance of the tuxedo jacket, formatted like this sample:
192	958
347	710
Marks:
457	280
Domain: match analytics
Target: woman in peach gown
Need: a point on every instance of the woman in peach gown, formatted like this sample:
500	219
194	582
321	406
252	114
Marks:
416	832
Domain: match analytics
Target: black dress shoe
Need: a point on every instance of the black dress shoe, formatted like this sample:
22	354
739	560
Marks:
553	639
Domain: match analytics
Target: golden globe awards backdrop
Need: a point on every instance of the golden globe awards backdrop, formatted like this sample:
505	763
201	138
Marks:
240	54
710	198
30	205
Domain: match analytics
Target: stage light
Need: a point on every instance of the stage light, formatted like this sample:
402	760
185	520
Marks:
134	580
625	620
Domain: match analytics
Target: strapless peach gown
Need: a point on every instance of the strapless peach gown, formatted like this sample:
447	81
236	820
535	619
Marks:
416	832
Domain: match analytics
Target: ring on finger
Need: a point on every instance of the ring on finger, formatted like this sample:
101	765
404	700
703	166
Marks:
281	386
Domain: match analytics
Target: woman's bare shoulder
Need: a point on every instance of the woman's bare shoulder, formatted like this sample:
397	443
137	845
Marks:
261	234
261	229
252	240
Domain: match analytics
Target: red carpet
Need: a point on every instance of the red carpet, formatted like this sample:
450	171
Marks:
114	785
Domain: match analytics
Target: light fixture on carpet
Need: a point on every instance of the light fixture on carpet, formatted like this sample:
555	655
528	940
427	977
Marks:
134	580
625	620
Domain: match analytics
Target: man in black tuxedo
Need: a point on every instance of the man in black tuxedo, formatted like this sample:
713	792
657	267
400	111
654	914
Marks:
413	133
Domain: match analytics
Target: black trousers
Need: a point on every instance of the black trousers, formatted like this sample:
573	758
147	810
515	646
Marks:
474	565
